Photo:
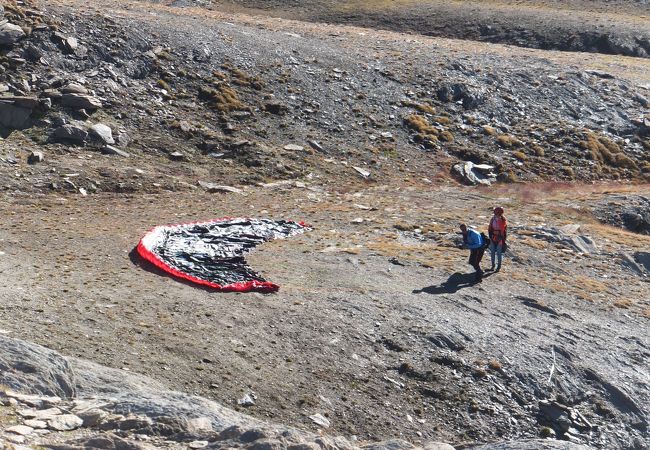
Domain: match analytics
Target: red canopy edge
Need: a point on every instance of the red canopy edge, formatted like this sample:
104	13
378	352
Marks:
248	286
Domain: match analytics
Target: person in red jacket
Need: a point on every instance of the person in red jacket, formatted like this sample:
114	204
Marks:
497	231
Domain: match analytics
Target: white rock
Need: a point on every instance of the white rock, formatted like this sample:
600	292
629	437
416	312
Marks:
36	401
43	414
103	133
320	420
212	188
294	147
65	422
37	424
363	172
246	400
198	444
22	430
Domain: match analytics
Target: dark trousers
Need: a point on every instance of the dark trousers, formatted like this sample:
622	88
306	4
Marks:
475	257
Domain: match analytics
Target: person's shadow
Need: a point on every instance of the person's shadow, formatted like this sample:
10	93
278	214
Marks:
454	283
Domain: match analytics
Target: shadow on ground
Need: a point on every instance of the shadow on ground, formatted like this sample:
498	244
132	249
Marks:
454	283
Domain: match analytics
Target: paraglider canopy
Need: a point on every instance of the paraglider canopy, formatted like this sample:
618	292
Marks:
212	253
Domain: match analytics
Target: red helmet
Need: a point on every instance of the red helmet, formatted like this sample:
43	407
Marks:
498	210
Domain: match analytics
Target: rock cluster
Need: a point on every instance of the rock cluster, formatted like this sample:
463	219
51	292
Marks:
109	409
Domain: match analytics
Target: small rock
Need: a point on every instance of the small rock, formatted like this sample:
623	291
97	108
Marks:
35	158
473	174
198	444
177	156
316	146
294	147
364	173
102	133
212	188
110	150
320	420
65	422
246	401
276	108
74	88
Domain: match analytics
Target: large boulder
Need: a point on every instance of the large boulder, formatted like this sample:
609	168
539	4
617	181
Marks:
10	34
14	116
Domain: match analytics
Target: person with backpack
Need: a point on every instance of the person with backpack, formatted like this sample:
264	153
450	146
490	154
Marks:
476	243
497	231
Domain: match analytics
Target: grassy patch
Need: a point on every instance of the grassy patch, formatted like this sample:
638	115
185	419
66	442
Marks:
221	98
508	141
422	107
604	150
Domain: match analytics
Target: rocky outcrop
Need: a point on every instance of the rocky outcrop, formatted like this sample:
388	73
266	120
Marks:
109	407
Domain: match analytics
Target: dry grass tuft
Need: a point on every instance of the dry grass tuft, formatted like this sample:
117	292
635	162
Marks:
623	303
241	78
521	156
495	365
222	98
427	134
508	141
490	131
604	150
539	151
422	107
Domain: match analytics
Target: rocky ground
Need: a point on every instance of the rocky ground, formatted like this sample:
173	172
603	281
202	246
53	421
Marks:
612	27
120	117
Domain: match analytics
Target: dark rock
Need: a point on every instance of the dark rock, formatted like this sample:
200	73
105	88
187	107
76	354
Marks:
71	132
276	108
254	434
643	259
13	116
35	158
